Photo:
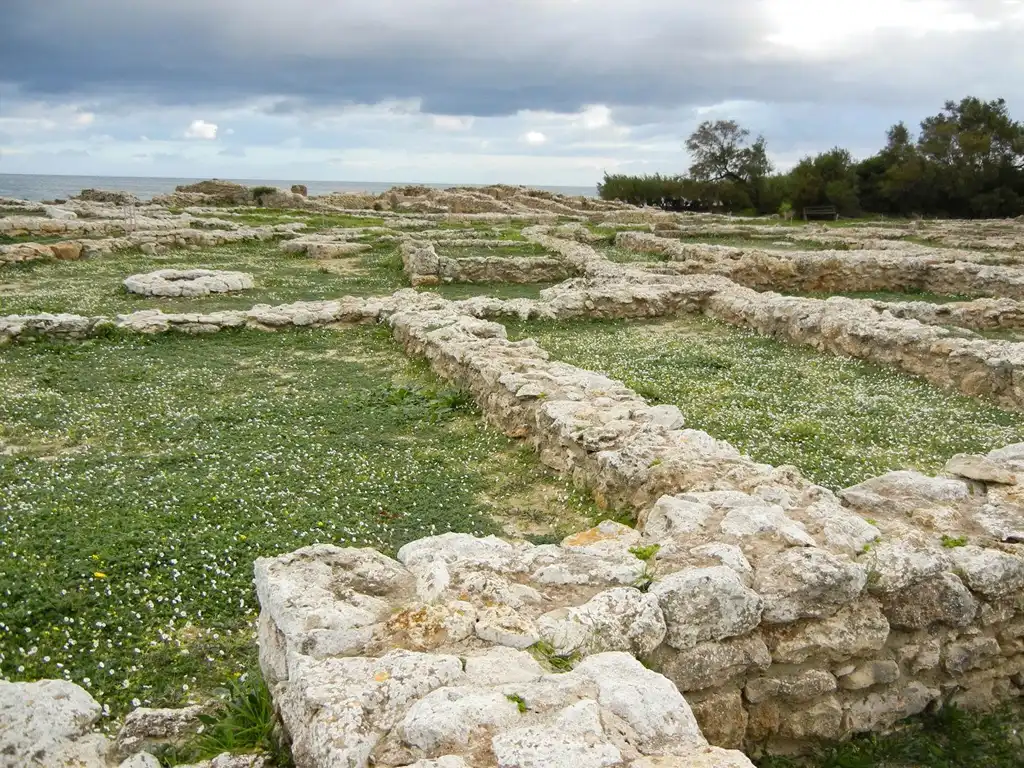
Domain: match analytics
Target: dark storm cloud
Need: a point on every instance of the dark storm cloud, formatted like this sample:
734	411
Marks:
458	56
652	61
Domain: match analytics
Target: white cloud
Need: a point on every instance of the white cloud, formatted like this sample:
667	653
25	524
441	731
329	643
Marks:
536	138
200	129
807	26
84	119
452	122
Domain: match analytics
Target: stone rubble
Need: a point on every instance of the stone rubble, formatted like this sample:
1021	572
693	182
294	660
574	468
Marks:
188	283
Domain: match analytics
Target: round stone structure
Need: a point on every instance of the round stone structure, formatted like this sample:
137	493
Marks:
188	282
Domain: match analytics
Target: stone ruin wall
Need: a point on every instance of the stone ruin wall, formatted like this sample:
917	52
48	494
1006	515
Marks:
829	272
781	613
424	266
785	613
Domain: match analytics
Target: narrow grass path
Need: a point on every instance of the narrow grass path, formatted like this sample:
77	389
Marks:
140	478
839	420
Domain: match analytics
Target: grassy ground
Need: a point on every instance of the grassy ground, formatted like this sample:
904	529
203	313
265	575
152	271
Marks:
840	421
950	738
889	296
313	221
456	291
140	478
93	286
778	243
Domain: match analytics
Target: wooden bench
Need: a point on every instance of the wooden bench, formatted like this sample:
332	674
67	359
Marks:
821	210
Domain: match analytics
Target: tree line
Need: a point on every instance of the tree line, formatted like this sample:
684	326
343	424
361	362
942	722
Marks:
966	162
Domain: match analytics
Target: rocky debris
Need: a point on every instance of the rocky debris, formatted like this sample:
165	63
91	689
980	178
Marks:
107	196
188	283
52	723
146	729
408	708
980	468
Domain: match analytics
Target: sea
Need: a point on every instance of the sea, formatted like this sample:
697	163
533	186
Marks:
41	187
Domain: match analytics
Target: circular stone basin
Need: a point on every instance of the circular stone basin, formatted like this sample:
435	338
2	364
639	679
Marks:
188	282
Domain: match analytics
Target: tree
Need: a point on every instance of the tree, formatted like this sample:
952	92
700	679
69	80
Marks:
830	178
721	155
977	151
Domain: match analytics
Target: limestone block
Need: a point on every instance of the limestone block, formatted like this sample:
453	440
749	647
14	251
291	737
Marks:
897	565
501	665
806	583
712	664
798	687
336	710
869	674
979	468
705	757
502	625
943	598
447	718
965	655
645	700
574	737
722	717
877	711
904	491
621	619
671	516
706	604
989	572
50	722
856	629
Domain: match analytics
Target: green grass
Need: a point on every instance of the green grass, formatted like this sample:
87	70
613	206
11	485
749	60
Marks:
46	239
761	242
140	478
456	291
94	286
839	420
243	723
949	738
14	210
1002	334
313	221
621	255
496	231
888	296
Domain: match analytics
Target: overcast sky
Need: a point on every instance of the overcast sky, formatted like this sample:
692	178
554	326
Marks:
519	91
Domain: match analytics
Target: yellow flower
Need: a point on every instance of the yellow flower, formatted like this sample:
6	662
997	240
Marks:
99	575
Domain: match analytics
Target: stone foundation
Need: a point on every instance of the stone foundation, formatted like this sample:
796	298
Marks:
836	271
425	266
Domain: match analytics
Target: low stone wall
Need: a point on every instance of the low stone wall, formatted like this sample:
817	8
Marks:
410	663
22	226
425	266
833	271
150	241
782	614
981	314
978	367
